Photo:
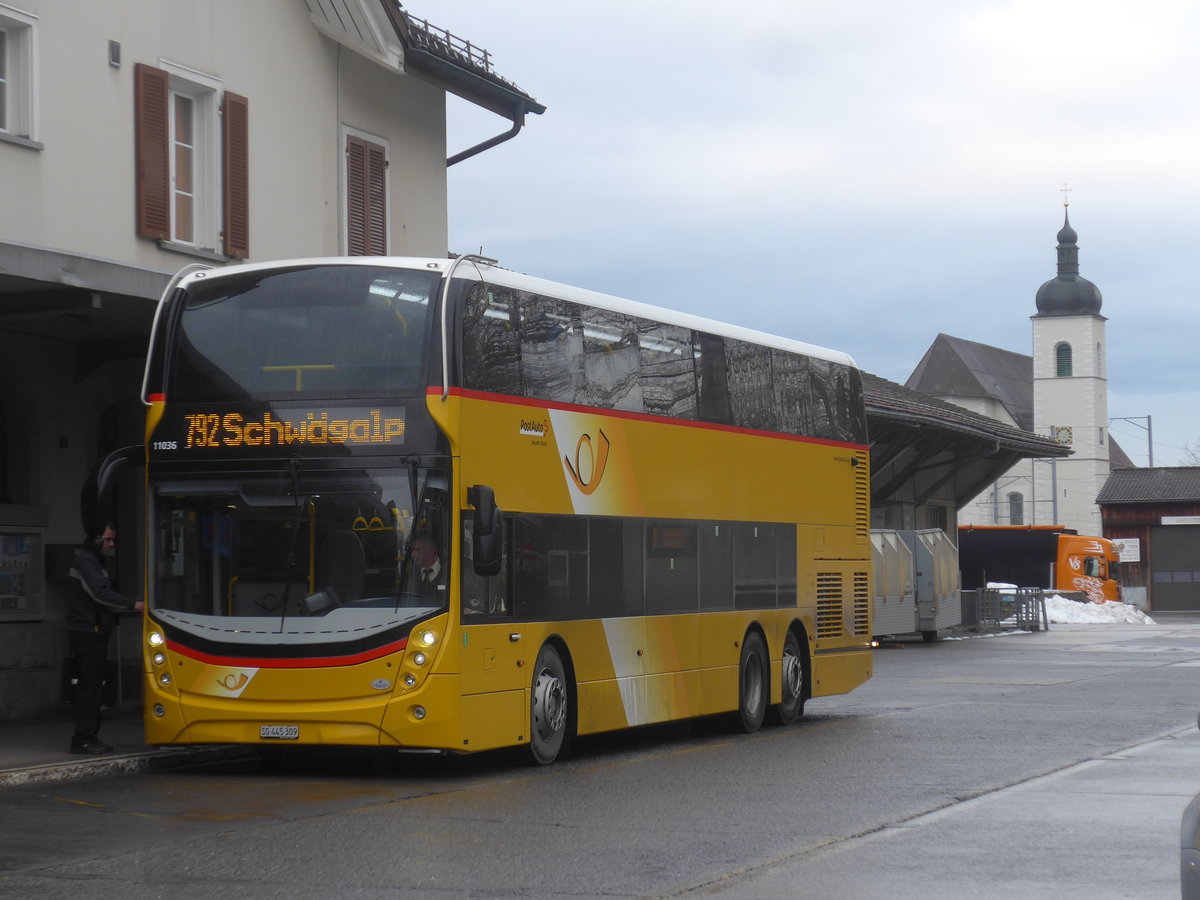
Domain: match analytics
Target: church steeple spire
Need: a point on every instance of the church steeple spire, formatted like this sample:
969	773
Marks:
1068	250
1069	294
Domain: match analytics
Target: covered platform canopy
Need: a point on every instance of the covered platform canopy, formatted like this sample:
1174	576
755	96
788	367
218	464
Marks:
926	450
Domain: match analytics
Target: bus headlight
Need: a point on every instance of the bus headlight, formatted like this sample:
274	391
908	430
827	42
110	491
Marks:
159	711
419	658
155	639
164	679
418	712
428	638
159	658
410	679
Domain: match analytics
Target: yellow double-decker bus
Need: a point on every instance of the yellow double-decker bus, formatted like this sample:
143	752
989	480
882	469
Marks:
426	503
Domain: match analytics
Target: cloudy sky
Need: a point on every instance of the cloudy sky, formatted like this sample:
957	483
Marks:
859	174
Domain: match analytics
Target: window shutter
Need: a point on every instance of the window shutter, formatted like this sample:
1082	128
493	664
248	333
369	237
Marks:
356	184
236	175
151	94
376	200
366	198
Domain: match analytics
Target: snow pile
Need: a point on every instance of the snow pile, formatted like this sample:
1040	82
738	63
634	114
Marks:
1067	612
1062	611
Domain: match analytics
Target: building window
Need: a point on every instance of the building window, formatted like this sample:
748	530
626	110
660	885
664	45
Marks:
1016	508
365	187
192	161
1062	360
17	49
183	168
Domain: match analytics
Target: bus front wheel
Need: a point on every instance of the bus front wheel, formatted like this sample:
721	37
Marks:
548	707
792	683
752	683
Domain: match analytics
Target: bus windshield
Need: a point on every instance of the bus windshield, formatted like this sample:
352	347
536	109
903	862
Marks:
299	556
317	331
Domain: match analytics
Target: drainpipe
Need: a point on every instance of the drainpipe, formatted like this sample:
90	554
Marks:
518	121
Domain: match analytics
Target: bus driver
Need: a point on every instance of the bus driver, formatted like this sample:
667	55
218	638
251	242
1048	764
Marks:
427	569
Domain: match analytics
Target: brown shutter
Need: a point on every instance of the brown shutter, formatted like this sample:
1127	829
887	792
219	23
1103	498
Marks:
151	94
376	200
235	192
356	190
366	198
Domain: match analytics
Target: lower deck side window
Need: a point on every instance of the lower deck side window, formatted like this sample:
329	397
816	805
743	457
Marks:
573	567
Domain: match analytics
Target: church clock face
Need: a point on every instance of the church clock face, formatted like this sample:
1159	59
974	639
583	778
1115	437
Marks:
1063	434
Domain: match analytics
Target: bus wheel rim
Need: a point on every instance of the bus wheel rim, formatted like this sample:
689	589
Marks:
549	703
793	675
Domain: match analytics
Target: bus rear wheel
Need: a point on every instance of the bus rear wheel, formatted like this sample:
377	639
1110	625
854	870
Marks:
548	707
793	688
753	682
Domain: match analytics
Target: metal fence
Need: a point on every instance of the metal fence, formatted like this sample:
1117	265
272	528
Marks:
991	609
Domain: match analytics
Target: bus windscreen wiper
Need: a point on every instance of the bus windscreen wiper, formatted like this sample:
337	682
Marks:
413	463
289	563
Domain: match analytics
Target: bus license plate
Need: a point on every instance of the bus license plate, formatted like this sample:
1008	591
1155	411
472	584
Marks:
279	732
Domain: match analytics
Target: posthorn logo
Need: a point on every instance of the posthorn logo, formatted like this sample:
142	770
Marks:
589	462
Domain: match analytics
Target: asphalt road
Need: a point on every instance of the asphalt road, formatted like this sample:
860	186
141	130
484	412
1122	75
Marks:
1032	765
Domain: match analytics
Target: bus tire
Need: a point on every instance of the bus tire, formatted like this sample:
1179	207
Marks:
753	683
548	707
793	683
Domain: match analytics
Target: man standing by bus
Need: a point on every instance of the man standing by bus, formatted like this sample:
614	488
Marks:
92	617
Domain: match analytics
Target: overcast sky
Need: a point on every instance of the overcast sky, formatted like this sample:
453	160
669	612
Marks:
859	174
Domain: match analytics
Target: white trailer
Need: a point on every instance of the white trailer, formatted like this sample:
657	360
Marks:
917	587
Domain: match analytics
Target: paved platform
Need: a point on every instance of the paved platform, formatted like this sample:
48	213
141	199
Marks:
37	751
1112	821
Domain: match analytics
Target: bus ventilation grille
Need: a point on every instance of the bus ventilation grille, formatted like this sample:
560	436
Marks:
829	605
862	501
862	604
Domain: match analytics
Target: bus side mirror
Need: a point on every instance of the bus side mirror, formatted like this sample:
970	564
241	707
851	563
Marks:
487	533
96	498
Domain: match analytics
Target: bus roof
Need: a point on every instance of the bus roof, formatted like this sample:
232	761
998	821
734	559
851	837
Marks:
492	274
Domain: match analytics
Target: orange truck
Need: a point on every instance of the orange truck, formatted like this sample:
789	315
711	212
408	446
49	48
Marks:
1046	556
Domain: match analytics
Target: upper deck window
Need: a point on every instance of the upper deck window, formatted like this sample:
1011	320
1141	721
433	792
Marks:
528	345
329	331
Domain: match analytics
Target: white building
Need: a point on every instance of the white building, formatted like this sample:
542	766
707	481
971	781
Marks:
1060	392
1070	390
138	136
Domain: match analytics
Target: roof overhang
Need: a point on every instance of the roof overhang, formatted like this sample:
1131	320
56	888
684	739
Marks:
383	32
364	26
922	446
102	306
492	95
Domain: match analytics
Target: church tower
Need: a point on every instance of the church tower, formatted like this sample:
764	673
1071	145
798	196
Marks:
1070	392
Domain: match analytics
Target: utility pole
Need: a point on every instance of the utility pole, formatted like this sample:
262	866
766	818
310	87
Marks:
1136	420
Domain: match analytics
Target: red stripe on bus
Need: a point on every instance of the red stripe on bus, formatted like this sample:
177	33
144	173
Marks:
314	662
637	417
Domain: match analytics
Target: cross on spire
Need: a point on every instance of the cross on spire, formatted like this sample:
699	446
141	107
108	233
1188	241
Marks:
1064	190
